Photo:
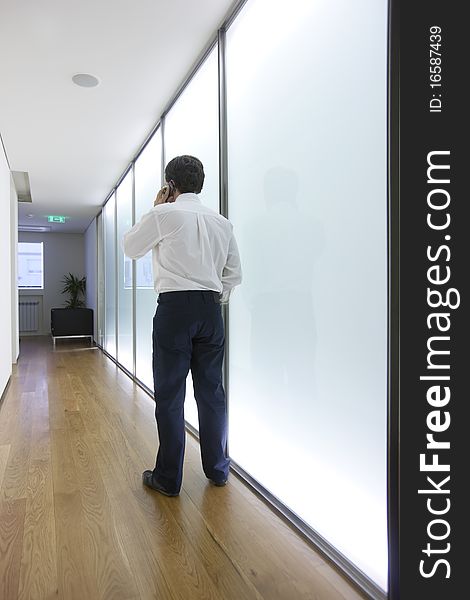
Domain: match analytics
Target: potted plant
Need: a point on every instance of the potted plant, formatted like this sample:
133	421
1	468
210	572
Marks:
75	287
74	320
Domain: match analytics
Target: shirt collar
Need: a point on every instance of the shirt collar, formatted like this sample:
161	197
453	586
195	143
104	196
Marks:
188	196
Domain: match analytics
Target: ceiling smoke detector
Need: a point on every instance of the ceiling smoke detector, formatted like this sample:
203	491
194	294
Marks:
85	80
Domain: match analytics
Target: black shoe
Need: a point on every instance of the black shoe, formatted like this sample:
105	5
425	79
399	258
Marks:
220	483
147	479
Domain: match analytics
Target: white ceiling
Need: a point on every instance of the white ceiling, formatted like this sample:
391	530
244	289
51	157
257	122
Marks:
75	142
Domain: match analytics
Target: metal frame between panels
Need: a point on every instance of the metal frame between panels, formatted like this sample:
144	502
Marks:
116	277
99	271
349	570
163	156
223	198
99	239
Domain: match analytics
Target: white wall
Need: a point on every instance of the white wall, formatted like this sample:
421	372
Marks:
90	271
63	253
5	273
15	338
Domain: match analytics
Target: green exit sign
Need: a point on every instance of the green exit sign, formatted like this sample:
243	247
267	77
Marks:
55	219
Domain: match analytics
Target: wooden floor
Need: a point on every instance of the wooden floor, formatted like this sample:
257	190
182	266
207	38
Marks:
76	522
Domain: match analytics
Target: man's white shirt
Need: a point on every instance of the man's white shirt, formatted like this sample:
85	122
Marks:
193	247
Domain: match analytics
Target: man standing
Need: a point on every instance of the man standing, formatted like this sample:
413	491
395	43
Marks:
195	265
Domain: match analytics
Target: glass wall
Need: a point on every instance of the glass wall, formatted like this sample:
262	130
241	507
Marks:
124	279
192	127
109	231
306	89
148	180
306	115
101	317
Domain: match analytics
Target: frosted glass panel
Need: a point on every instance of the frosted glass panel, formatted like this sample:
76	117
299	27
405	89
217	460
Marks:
307	196
110	277
147	183
191	127
124	223
100	278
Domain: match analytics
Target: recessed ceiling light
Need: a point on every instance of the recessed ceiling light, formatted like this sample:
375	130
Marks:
30	216
85	80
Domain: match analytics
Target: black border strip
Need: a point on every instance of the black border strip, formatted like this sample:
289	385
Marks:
393	376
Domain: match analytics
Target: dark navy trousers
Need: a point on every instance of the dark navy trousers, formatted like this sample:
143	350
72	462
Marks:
188	333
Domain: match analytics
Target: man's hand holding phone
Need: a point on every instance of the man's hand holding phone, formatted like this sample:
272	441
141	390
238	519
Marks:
165	195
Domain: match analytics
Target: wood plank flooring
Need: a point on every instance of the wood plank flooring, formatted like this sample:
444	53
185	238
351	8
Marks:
77	523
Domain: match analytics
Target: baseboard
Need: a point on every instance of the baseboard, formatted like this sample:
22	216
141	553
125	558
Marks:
4	393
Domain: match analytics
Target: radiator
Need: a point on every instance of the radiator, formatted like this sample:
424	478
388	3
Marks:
29	315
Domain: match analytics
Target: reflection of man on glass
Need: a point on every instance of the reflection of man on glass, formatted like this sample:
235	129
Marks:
196	265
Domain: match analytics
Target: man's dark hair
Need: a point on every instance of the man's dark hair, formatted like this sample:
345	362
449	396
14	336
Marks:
186	172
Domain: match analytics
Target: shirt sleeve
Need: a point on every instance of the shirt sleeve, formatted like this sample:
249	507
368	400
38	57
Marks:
142	237
232	272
